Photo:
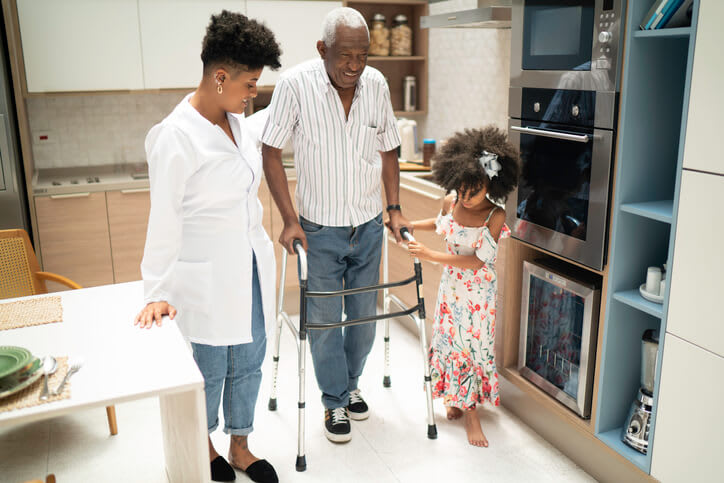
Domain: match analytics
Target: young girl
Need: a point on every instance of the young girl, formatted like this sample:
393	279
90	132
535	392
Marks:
479	166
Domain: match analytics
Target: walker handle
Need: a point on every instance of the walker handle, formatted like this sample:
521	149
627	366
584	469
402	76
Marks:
405	233
299	250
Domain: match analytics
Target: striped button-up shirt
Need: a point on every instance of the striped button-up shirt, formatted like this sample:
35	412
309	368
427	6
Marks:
338	163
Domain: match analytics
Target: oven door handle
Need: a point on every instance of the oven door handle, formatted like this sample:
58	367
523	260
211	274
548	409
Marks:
579	138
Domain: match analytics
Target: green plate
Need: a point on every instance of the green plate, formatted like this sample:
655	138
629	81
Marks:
12	359
19	377
28	378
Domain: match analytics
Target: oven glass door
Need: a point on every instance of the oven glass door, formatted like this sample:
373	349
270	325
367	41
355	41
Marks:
555	182
557	34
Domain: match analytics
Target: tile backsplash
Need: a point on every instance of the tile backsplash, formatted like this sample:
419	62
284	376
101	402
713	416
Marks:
94	129
469	76
469	73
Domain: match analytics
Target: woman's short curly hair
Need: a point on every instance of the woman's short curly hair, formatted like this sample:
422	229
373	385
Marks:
236	41
457	164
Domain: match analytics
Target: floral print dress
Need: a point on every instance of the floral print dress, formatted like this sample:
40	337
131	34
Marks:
462	351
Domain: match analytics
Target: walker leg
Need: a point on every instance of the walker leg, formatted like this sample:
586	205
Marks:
386	382
301	463
431	427
275	366
278	334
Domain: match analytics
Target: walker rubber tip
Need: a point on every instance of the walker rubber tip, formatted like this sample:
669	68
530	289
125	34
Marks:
431	431
386	381
301	463
272	404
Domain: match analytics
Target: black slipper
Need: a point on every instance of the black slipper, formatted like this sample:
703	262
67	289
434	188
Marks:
221	470
262	472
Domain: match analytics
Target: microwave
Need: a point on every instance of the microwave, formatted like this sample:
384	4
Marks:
567	44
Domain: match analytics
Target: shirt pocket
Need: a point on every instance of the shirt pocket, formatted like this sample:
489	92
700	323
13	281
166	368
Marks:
192	287
365	142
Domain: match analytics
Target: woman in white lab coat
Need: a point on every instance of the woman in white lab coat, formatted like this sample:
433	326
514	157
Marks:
208	263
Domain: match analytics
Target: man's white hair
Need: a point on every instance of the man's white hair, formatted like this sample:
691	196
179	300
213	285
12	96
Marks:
346	16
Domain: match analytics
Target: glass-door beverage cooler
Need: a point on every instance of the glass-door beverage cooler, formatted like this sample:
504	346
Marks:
558	332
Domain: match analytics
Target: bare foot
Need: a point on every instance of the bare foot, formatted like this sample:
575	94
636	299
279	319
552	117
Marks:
454	413
474	430
239	454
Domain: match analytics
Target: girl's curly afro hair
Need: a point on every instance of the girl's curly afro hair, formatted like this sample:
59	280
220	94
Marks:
457	166
234	40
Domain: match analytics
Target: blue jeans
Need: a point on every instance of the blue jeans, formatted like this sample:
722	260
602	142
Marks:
236	369
341	257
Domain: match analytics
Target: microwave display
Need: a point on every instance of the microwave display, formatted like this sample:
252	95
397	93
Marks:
557	35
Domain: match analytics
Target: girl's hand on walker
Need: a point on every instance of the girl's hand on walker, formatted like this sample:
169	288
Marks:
419	250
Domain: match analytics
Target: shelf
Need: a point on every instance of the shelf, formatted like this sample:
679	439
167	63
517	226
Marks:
409	113
655	210
387	58
613	440
634	299
681	32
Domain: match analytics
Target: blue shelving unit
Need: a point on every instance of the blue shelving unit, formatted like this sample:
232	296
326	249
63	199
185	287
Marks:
653	108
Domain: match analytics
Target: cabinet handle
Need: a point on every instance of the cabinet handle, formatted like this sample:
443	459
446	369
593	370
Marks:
70	195
420	192
135	190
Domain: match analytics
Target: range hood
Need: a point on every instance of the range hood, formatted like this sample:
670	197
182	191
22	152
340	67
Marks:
489	15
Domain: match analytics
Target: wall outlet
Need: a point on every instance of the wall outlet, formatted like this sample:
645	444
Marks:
43	138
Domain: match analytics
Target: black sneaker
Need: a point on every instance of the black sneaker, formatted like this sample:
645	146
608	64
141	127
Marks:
358	409
336	425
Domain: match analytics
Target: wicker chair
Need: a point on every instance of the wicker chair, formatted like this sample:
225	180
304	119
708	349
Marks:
20	276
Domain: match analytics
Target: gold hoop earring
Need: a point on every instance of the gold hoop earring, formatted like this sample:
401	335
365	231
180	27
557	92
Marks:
219	89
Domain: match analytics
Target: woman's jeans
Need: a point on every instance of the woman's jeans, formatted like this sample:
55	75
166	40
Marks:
236	369
341	257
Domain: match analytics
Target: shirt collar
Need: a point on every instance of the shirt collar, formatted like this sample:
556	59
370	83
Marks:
326	83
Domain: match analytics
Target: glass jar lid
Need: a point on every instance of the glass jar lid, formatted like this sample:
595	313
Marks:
378	17
400	19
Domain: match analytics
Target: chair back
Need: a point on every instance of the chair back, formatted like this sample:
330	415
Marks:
18	266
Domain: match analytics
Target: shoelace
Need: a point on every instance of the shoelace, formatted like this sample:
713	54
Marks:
339	415
354	397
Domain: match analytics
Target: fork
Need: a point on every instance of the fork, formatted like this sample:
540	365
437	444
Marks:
74	367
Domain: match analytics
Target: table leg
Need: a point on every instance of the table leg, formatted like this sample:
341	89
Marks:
185	438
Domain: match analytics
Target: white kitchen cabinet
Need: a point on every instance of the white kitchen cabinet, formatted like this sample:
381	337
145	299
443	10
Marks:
698	267
80	45
688	445
172	32
297	26
704	142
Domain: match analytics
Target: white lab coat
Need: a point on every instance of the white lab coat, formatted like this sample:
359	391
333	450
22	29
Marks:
204	226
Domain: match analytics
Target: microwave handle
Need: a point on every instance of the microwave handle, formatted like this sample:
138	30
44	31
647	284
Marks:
579	138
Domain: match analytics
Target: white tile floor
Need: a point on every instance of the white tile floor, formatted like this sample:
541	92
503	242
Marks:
391	446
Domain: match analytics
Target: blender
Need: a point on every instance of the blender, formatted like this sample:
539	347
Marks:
636	430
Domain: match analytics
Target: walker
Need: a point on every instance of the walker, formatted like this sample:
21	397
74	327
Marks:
417	313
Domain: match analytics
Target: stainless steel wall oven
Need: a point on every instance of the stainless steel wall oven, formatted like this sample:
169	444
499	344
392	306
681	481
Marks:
563	96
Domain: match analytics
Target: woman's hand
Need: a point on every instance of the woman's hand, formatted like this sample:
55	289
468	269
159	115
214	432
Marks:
419	250
154	311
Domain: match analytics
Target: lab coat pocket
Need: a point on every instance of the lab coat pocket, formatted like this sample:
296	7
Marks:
366	143
192	287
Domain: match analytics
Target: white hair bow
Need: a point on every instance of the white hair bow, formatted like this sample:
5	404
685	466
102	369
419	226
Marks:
489	162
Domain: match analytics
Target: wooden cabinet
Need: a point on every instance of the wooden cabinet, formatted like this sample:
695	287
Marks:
127	221
172	32
297	27
74	238
80	45
290	284
396	68
688	444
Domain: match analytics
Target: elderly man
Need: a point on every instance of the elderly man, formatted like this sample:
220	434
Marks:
339	114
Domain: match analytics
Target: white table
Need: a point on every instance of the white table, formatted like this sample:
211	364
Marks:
123	363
